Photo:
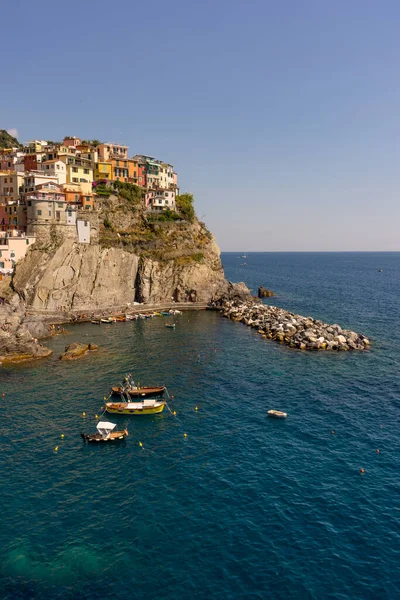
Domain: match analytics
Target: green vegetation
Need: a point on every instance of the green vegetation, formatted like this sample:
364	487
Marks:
129	191
7	140
184	204
94	143
103	189
165	215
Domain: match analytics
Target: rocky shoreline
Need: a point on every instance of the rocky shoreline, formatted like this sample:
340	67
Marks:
296	331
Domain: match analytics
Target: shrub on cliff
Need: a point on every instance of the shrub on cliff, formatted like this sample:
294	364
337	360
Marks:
184	205
129	191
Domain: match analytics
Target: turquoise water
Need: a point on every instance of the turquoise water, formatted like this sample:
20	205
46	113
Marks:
243	506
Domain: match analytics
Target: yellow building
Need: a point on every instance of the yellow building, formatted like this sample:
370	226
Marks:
80	171
103	170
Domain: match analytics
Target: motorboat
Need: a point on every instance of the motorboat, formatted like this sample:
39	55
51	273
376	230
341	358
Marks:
278	414
105	433
171	325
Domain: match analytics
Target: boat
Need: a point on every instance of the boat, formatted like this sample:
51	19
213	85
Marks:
95	322
135	391
165	314
278	414
171	325
174	311
105	433
150	406
379	270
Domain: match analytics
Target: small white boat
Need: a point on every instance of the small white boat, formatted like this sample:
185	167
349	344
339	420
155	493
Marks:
278	414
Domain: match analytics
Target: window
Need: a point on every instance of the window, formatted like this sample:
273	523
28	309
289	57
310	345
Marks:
1	265
84	180
76	198
75	180
60	204
166	193
74	169
86	171
49	213
88	207
27	242
86	223
57	166
39	212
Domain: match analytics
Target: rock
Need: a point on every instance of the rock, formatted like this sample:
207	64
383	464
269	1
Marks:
76	350
295	331
264	293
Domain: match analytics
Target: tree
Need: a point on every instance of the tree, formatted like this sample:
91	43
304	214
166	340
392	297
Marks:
184	204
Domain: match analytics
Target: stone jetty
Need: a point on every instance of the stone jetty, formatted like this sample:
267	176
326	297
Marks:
296	331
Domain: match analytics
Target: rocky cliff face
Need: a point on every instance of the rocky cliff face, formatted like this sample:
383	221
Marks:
148	264
16	342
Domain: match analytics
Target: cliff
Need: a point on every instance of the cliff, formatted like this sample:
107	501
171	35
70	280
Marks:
16	342
132	259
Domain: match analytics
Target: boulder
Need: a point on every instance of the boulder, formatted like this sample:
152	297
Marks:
264	293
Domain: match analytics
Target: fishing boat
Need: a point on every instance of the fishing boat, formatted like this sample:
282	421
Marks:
278	414
105	433
150	406
135	391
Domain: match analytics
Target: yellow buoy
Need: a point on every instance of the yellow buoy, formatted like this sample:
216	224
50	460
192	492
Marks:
174	412
83	414
185	435
197	408
96	416
105	398
140	444
55	449
62	436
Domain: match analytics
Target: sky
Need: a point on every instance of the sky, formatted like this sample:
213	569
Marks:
282	118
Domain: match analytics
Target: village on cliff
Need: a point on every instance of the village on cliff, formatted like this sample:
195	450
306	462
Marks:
45	183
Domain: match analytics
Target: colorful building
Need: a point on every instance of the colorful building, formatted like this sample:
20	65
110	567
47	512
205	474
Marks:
72	141
109	150
13	247
103	170
10	184
160	200
55	168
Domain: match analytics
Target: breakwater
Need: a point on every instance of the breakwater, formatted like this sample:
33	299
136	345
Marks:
296	331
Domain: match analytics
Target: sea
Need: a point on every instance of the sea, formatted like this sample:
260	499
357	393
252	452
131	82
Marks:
212	499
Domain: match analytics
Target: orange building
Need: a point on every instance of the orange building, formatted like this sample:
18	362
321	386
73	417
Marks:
124	170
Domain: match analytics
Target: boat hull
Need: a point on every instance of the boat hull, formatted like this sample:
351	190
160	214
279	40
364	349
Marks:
96	437
143	392
121	409
277	414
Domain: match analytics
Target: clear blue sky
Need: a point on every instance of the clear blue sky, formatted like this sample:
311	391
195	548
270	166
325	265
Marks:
281	117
